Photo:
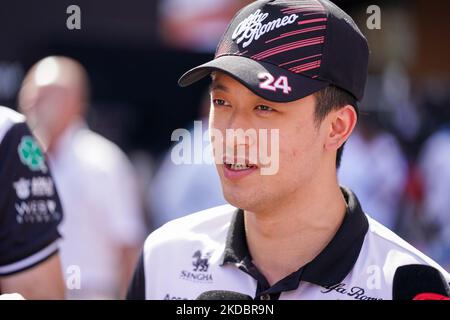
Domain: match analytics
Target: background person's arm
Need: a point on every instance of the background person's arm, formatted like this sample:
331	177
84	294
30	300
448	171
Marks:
129	258
30	211
43	281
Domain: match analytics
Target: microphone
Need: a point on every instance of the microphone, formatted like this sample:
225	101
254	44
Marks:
430	296
223	295
416	282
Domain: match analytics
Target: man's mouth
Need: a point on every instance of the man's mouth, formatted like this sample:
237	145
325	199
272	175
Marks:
239	166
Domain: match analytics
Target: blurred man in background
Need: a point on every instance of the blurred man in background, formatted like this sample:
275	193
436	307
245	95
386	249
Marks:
30	212
102	230
435	171
375	167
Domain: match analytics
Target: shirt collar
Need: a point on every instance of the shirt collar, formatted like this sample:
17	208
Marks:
328	268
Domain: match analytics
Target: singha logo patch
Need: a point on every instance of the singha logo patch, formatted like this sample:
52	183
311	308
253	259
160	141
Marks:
201	263
199	273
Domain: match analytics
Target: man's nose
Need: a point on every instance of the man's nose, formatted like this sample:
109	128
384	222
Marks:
240	133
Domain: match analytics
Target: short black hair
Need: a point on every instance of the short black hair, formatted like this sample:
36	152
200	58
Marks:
332	98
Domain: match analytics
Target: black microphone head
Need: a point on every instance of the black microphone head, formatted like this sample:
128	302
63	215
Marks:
413	279
223	295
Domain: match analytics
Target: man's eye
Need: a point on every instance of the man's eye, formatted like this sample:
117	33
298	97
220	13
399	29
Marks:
262	107
220	102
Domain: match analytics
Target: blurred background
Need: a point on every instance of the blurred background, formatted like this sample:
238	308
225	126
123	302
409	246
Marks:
397	162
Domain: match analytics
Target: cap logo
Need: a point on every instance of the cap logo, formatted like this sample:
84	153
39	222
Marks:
252	28
268	82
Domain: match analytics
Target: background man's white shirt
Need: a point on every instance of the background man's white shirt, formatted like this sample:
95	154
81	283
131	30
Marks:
99	196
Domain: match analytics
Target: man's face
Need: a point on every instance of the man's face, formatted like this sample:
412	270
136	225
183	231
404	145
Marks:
301	152
43	106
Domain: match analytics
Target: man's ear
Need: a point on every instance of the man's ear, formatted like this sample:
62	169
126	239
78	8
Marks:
342	122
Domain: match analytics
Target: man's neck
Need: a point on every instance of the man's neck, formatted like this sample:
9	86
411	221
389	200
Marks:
64	136
285	238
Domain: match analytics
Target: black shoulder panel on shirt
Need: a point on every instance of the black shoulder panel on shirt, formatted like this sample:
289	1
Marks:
30	209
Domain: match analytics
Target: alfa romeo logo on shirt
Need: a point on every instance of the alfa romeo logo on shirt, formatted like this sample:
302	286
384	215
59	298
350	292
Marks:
31	154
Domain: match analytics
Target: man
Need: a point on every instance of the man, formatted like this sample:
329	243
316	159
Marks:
30	212
102	229
434	165
298	67
373	157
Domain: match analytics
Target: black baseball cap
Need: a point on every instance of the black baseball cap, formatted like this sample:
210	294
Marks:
285	50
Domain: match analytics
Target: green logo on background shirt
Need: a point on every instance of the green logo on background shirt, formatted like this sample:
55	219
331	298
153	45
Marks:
31	154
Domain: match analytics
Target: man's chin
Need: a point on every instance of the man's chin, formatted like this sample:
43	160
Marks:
241	194
240	200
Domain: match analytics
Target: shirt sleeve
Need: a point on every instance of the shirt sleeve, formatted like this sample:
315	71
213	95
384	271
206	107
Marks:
30	209
136	290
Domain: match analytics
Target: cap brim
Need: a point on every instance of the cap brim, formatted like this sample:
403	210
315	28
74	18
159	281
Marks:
247	71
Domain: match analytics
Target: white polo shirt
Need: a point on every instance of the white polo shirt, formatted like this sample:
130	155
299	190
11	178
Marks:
96	184
208	251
